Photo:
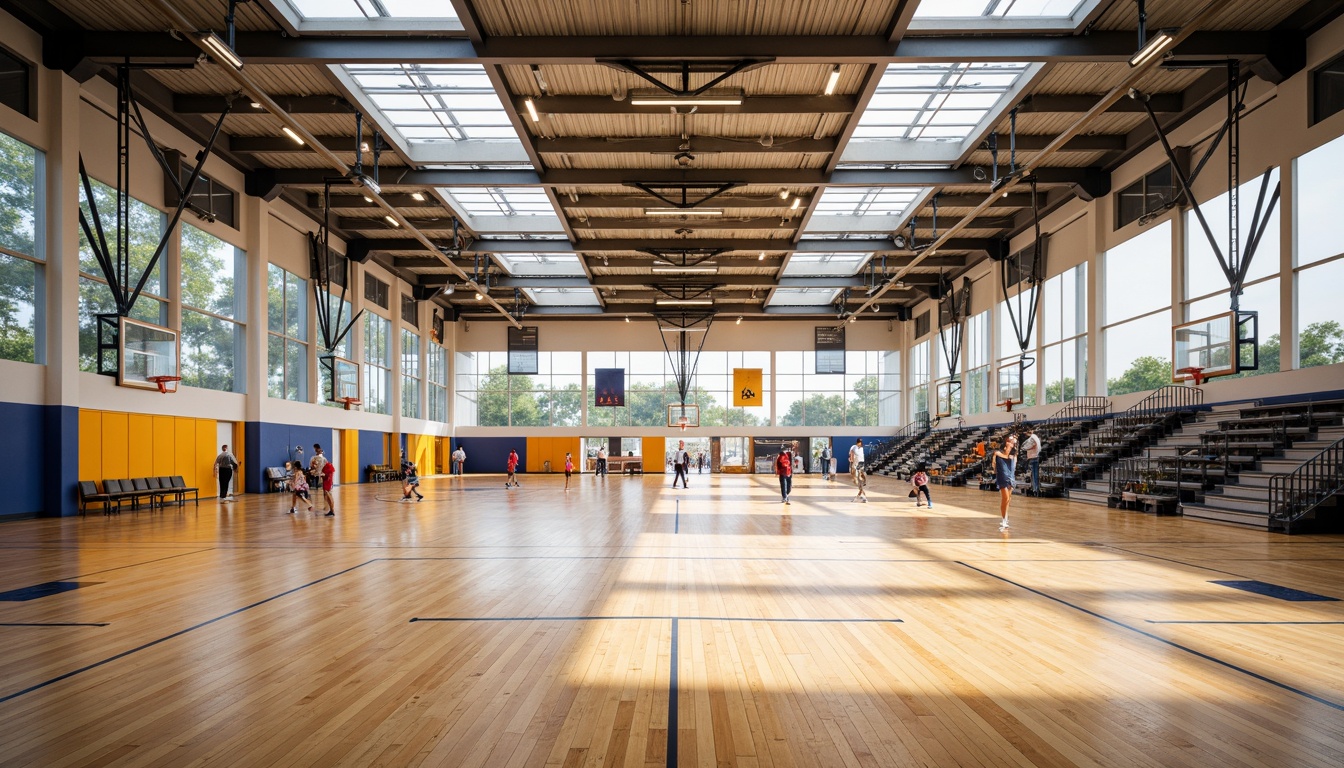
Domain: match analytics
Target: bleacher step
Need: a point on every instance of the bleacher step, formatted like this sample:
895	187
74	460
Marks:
1206	513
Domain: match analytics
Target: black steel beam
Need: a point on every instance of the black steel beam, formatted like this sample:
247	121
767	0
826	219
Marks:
898	258
275	48
672	145
1101	142
638	202
357	202
333	104
1082	102
754	105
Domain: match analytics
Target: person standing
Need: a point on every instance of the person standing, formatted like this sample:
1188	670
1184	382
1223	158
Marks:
328	479
459	458
1032	448
856	461
569	468
784	468
920	481
681	462
225	464
1005	467
826	462
601	467
298	488
861	482
512	466
315	466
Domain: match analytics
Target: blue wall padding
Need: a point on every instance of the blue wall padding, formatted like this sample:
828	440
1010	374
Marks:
271	445
490	454
840	449
371	452
60	433
22	454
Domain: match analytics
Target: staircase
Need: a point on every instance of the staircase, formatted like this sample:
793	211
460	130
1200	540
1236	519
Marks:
1247	501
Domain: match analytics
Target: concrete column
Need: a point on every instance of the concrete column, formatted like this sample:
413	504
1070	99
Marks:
256	231
1096	370
1288	330
60	98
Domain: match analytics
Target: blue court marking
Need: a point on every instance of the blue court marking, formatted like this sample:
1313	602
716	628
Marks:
45	589
179	633
1270	623
1276	591
50	624
1333	705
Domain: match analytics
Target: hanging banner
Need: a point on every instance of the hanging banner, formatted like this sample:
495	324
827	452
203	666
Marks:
609	389
747	387
830	348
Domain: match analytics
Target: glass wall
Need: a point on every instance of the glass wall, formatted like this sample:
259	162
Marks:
410	374
21	273
919	378
213	312
1010	350
377	364
654	387
807	398
436	373
343	349
1136	312
1064	335
1318	265
488	396
975	389
286	335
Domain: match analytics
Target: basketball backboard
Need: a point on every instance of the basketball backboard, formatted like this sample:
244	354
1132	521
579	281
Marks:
146	351
949	398
344	378
683	416
1205	345
1009	384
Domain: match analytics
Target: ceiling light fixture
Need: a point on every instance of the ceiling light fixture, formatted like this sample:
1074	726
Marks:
627	318
291	134
853	318
479	297
683	302
683	211
797	201
392	221
254	104
363	146
677	328
739	320
368	199
419	197
449	289
713	98
685	270
532	110
220	52
783	194
832	80
761	257
1156	47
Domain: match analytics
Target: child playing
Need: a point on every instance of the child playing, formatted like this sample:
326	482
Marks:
921	483
411	483
569	469
298	486
328	479
512	466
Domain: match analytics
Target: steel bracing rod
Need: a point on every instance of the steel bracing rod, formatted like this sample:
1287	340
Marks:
98	244
1025	323
187	29
1056	145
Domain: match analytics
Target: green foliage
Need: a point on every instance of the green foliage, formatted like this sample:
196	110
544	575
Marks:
1061	391
820	410
18	207
1144	373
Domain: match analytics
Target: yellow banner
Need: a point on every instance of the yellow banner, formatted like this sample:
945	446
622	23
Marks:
747	386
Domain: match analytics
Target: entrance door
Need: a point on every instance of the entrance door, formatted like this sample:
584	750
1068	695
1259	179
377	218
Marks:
818	444
697	447
224	436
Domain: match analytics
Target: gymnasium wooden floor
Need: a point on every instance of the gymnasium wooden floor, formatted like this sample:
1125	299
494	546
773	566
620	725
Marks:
485	627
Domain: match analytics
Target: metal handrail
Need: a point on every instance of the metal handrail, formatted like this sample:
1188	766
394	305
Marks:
1164	399
1082	407
1293	495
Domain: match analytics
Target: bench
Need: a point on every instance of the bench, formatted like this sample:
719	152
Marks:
89	494
275	478
381	473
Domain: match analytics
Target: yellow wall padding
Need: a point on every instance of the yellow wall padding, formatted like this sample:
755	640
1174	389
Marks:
538	452
651	448
117	446
420	449
350	456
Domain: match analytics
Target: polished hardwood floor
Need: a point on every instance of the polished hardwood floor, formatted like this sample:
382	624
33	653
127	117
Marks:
535	626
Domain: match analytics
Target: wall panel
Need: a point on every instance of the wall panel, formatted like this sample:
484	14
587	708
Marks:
116	464
140	445
184	450
165	454
91	446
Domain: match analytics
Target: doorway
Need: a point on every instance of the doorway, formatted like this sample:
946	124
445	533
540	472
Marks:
697	447
224	436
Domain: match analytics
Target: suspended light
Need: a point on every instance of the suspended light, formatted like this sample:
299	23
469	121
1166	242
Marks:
219	51
797	201
683	211
832	79
531	110
1156	47
449	289
853	318
392	221
739	320
657	98
291	134
363	146
419	197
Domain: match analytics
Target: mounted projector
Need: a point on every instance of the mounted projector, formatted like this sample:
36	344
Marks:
363	180
717	97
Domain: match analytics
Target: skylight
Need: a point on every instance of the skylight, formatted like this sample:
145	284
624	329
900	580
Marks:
867	201
374	9
541	264
825	264
803	297
499	201
434	102
936	102
562	297
1002	14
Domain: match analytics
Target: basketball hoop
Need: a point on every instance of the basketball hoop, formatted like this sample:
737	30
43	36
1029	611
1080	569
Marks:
1195	372
682	422
348	401
163	382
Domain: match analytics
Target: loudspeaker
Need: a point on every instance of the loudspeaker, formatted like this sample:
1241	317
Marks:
358	250
904	313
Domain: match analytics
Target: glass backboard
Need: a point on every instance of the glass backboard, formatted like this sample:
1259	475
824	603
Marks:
147	351
1204	346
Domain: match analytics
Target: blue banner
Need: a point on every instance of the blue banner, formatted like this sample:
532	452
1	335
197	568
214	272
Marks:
610	389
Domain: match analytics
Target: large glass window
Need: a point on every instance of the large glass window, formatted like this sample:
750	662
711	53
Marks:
377	364
919	378
1136	326
145	227
287	335
1319	261
975	386
21	273
410	374
889	389
436	371
1010	352
1064	334
488	396
341	312
807	398
213	339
